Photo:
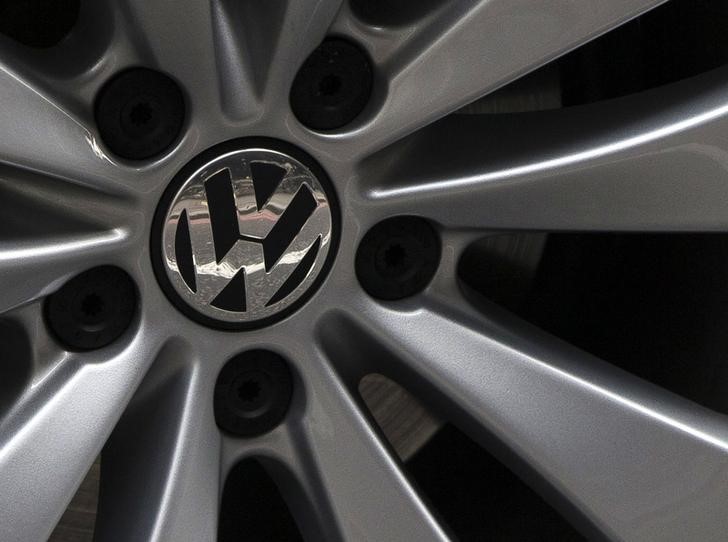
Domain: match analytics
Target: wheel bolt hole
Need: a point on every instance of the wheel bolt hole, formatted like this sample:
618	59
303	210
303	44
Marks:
330	85
252	393
395	256
398	257
333	86
92	305
141	114
249	391
93	309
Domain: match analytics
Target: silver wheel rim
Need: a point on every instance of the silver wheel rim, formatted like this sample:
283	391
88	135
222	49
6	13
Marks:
622	458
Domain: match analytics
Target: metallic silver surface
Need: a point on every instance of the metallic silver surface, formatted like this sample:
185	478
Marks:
263	279
623	459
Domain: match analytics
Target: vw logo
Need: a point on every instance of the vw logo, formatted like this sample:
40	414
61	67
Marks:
245	235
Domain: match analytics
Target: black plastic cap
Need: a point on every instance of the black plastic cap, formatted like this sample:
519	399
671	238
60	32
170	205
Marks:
398	257
93	309
333	86
140	113
38	23
252	393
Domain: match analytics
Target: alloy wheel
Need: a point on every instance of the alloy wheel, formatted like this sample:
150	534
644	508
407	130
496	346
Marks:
621	458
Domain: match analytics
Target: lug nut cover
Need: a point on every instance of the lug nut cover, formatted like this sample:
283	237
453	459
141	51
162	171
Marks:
92	309
252	393
333	85
398	257
140	113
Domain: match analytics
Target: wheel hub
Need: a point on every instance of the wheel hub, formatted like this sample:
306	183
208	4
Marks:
244	233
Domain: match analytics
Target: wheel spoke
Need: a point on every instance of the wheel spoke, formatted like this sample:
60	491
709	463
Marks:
652	162
44	134
161	467
473	47
362	485
262	45
637	462
179	35
301	26
30	203
46	239
32	268
56	430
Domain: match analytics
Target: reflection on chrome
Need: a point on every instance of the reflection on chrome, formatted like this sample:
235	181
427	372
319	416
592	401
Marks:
192	216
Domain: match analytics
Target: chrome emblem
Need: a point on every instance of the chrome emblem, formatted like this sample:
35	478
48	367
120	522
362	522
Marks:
246	235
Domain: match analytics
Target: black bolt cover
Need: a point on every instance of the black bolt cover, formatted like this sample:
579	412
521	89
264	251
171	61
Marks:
333	85
140	113
38	23
398	257
252	393
92	309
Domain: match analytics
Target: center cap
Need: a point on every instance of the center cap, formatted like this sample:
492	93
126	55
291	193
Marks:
243	233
